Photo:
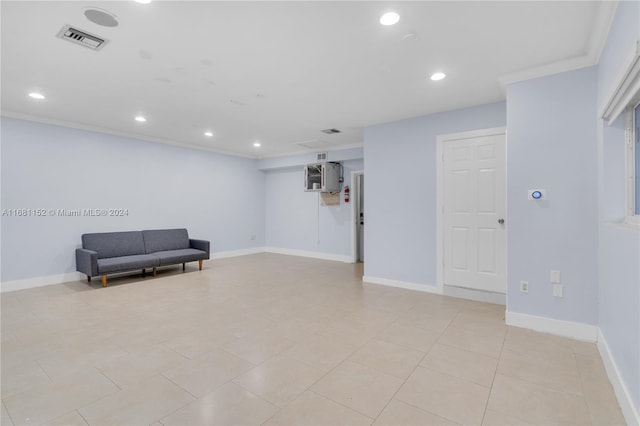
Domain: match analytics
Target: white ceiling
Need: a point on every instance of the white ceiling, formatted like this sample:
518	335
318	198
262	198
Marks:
280	72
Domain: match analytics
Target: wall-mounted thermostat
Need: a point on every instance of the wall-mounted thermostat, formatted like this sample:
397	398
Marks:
537	194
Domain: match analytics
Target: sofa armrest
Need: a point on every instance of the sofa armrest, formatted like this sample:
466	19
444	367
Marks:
87	262
200	245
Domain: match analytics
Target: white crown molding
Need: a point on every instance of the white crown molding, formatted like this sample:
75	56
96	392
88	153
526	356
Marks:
629	410
601	27
313	151
597	40
97	129
547	69
572	330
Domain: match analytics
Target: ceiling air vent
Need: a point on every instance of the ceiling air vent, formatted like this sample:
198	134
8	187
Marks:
330	131
82	38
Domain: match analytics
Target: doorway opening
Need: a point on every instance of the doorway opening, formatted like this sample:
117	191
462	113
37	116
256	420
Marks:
357	217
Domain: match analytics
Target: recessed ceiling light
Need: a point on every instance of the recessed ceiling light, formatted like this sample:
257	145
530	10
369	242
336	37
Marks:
389	18
36	95
438	76
208	134
257	144
101	17
140	119
143	1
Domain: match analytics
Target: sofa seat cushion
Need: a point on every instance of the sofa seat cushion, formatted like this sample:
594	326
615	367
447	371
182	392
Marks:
171	257
126	263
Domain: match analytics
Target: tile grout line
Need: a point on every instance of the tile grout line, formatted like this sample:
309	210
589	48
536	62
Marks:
322	377
80	414
486	406
584	393
314	383
107	377
414	369
8	413
342	405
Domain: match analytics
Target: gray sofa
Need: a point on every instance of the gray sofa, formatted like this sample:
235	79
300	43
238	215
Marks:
114	252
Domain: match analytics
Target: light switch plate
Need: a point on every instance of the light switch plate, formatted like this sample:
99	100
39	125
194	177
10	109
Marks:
557	290
555	277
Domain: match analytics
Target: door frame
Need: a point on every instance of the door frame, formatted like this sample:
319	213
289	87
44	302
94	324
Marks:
440	141
354	195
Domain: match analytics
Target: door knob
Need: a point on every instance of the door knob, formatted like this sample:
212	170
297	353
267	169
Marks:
501	221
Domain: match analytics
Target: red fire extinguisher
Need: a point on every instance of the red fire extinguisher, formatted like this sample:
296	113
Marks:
346	194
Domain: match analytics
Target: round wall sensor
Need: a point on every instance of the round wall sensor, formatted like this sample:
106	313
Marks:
537	194
101	17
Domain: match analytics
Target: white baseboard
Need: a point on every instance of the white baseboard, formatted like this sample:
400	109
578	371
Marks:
402	284
236	253
629	410
572	330
77	276
40	281
312	254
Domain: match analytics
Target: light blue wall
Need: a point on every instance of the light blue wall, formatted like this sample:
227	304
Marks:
400	190
217	197
619	251
552	145
294	221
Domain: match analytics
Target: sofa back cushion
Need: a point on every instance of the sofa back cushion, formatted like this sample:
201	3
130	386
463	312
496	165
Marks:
165	239
114	244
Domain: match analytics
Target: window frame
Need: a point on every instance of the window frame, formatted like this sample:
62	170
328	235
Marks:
622	102
631	217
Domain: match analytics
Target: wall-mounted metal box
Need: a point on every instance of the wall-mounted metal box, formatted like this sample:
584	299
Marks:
323	177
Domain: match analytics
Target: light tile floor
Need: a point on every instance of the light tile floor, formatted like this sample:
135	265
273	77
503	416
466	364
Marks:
278	340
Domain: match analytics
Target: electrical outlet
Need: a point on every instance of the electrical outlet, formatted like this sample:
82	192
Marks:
253	237
557	290
555	277
524	286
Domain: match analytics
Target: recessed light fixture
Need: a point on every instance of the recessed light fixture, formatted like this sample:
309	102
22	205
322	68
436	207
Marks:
140	119
438	76
208	134
36	95
389	18
143	1
101	17
257	144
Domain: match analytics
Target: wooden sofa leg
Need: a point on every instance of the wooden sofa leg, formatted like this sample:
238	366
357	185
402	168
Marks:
154	271
104	281
88	278
183	267
200	264
144	273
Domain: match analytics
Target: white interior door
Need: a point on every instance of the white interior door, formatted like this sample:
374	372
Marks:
474	207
